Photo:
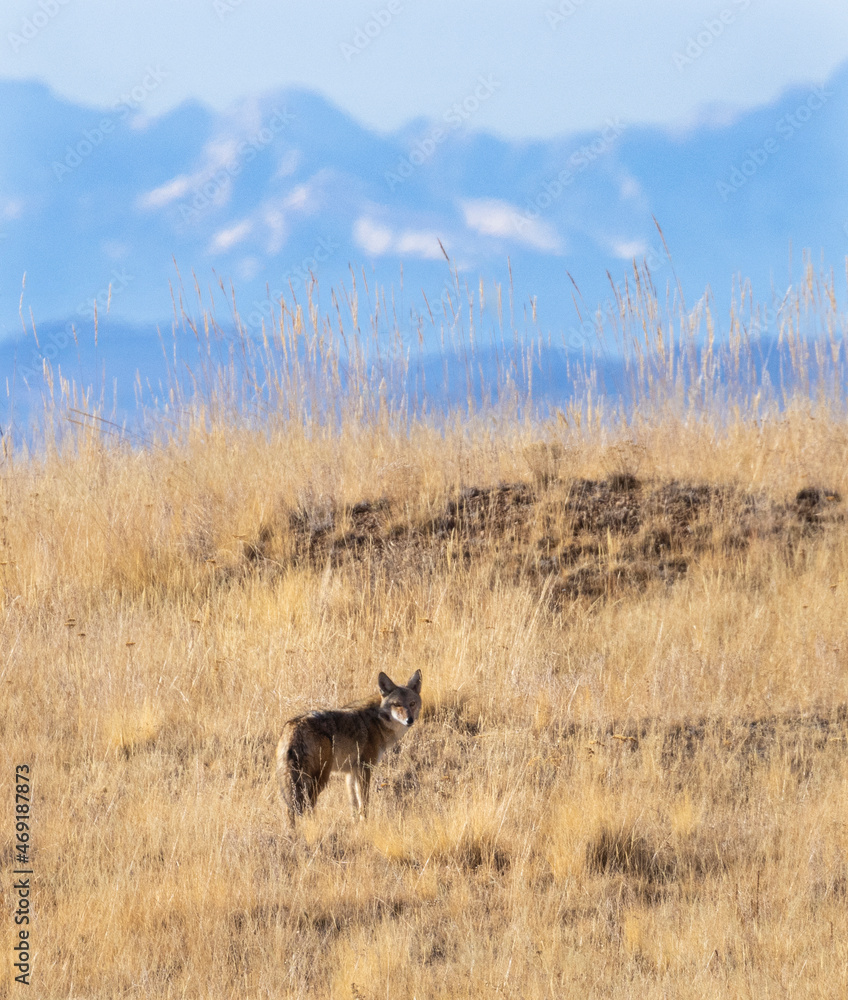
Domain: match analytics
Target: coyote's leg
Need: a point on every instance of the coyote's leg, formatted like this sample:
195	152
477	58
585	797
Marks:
318	782
358	782
364	788
301	791
355	792
297	792
358	786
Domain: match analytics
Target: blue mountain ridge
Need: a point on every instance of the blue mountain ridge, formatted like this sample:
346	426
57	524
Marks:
287	186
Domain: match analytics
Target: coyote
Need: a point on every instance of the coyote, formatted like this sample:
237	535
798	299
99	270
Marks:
350	739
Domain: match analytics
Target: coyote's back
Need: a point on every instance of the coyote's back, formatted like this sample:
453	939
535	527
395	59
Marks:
350	739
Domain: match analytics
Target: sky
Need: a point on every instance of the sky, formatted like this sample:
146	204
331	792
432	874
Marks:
562	66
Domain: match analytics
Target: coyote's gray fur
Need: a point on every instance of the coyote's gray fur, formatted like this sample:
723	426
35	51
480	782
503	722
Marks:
350	739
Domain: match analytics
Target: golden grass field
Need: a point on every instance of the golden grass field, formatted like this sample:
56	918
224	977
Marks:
630	777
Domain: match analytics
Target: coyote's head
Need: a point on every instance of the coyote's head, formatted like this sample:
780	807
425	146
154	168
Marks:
401	703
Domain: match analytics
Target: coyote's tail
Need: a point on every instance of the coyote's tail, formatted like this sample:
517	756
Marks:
297	784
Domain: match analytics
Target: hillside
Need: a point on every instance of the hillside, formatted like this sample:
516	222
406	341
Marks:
629	772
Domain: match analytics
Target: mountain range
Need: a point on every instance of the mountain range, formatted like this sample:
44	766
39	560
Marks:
113	206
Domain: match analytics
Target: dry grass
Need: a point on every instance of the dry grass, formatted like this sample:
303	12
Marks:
629	777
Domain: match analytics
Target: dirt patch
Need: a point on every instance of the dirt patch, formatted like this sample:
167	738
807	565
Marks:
583	538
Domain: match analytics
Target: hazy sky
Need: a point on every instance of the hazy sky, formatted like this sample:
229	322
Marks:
559	65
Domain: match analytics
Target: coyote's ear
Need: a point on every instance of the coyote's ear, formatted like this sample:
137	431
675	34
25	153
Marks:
385	684
414	682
